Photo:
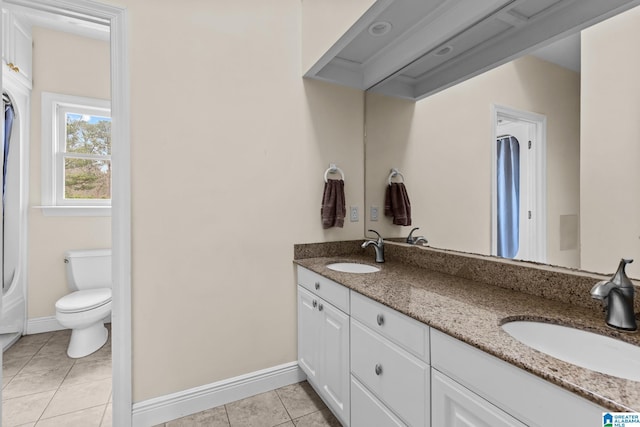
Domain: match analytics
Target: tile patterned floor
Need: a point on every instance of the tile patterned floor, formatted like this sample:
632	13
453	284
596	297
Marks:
43	387
296	405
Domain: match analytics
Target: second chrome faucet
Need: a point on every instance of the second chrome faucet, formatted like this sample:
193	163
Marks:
617	297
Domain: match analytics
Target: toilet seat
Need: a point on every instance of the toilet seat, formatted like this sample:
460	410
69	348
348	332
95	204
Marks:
85	300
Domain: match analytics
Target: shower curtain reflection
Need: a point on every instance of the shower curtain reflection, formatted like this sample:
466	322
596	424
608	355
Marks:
8	125
508	195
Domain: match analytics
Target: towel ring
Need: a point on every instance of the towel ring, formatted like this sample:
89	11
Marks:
332	169
395	172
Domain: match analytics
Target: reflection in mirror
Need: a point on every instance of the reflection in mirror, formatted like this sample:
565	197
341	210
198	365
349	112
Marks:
588	203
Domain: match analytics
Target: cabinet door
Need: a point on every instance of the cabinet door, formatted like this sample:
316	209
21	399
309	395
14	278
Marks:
22	54
367	411
455	406
334	356
308	334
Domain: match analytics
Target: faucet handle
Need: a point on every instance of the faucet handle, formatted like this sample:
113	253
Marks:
620	278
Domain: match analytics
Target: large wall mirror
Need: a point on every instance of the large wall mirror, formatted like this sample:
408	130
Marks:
567	118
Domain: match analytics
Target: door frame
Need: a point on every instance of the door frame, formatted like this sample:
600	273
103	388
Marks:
117	19
538	189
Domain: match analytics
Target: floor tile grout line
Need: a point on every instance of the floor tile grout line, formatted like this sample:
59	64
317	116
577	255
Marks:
227	413
104	413
283	405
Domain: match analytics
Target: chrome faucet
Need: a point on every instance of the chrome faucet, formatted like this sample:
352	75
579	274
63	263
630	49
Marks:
415	240
617	298
378	245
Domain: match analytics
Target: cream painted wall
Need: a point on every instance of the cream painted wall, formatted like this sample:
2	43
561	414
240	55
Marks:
323	22
72	65
610	177
229	147
441	145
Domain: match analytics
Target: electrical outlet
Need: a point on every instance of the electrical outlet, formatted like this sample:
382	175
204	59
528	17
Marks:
353	213
373	213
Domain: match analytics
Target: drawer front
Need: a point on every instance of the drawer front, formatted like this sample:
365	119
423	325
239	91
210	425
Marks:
454	405
326	289
398	379
404	331
367	411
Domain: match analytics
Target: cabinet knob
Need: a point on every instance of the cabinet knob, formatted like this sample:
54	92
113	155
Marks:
314	303
13	67
320	307
380	319
378	369
317	285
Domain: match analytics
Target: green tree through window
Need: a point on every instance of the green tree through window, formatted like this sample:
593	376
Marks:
87	158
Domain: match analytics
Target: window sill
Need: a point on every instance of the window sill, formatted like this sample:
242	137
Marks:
75	210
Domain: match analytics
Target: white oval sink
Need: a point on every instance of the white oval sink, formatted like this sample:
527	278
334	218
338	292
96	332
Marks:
352	267
586	349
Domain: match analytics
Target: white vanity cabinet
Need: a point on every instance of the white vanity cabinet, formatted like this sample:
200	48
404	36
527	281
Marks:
390	373
466	381
16	47
323	339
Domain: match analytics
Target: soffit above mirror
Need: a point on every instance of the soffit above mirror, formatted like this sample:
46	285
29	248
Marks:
414	48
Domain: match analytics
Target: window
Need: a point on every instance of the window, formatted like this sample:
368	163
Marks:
76	155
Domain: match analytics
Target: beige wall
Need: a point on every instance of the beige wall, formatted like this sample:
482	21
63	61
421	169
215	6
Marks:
441	145
70	65
229	147
610	177
324	22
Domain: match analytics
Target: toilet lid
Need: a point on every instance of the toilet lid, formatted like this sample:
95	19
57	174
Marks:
83	300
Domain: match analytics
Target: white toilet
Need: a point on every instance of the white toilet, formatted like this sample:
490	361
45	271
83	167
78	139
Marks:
83	310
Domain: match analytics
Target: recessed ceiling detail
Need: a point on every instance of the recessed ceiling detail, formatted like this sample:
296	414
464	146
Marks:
430	45
379	28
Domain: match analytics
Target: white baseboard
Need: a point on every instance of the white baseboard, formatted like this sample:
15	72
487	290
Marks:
38	325
176	405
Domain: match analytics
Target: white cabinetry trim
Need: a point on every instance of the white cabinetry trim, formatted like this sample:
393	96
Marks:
176	405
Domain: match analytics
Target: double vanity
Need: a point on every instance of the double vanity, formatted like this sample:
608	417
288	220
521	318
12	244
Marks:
430	340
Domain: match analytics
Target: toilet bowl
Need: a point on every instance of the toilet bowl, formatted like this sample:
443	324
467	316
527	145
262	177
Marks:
89	304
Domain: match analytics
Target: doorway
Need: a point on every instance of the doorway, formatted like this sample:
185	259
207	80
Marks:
115	18
518	148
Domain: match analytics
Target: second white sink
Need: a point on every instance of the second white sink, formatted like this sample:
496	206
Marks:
588	350
352	267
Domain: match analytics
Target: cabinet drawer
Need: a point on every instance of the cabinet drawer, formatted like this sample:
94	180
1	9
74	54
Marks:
404	331
367	411
398	379
326	289
524	396
454	405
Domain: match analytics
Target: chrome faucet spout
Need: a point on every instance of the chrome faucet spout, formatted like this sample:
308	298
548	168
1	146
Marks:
415	240
617	296
378	245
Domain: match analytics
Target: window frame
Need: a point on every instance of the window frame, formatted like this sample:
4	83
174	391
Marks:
54	109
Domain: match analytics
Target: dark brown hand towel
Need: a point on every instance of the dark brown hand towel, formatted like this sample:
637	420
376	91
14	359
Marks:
333	208
397	204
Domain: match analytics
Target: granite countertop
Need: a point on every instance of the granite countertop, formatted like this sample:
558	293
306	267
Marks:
473	312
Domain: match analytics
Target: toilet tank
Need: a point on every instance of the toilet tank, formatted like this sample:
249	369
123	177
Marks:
88	269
